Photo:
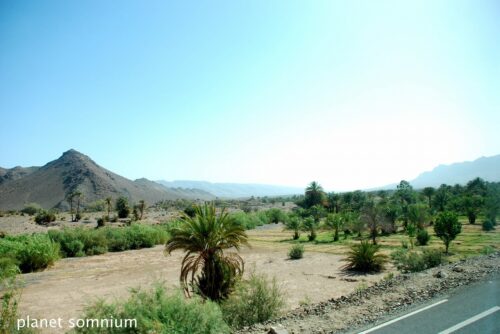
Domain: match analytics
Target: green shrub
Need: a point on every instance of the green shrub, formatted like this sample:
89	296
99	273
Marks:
432	258
423	237
101	222
488	225
413	261
296	252
253	301
276	215
31	209
9	295
158	311
365	257
71	239
31	252
122	207
44	217
408	261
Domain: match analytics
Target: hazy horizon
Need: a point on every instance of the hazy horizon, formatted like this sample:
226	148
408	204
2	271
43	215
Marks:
352	95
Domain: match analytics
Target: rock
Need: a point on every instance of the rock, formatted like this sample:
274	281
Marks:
441	274
458	269
277	330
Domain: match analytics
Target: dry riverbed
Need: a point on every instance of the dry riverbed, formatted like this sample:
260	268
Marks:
63	290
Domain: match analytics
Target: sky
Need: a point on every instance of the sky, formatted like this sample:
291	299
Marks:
352	94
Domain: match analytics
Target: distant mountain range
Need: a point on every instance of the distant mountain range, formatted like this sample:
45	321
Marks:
487	168
49	185
235	190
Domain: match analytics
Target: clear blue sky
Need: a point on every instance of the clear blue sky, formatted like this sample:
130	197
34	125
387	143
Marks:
353	94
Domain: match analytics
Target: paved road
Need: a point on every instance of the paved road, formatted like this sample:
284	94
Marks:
471	309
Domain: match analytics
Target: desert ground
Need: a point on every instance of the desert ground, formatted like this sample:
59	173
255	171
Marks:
64	289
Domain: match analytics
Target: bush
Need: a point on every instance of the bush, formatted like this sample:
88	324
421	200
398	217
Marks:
157	311
81	241
365	257
488	225
101	222
31	252
423	237
71	239
31	209
9	294
296	252
412	261
44	217
276	215
253	301
122	207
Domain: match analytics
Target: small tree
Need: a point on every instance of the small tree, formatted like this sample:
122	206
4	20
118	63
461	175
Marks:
418	215
335	222
78	195
447	227
141	207
122	207
310	225
429	192
294	224
108	201
374	218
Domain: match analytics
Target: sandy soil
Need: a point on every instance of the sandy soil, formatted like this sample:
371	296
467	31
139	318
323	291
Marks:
63	290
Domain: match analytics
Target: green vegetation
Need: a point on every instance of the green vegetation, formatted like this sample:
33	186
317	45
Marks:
44	217
77	242
158	311
488	225
296	252
38	251
365	257
122	207
423	237
9	295
248	220
205	238
30	252
253	301
294	223
413	261
310	225
31	209
447	227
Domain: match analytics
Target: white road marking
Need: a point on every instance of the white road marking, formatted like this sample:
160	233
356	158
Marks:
403	317
470	320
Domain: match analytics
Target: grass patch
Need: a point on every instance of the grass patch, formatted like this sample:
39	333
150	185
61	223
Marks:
158	311
30	252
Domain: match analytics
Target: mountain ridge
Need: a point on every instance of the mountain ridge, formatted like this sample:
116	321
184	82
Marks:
235	190
50	184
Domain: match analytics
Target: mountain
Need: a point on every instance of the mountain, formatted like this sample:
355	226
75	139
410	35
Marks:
235	190
487	168
49	185
15	173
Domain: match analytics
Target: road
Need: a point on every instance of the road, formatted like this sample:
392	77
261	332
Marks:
471	309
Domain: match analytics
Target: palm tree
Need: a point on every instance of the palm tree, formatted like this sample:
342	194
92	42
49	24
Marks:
70	198
142	206
294	223
78	195
314	195
108	201
205	237
335	222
